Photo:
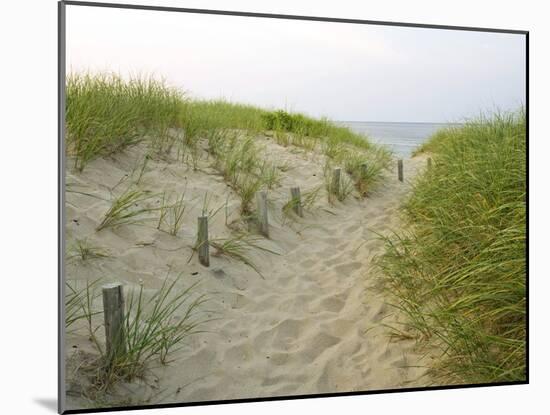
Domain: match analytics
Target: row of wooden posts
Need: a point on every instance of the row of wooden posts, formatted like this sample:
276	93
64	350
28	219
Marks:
261	204
113	296
400	167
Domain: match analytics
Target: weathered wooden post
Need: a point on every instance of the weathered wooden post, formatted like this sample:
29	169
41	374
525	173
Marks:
429	163
364	170
296	201
113	312
336	173
261	202
202	241
400	169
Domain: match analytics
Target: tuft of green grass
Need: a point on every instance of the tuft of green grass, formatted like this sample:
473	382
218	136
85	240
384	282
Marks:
209	211
310	197
126	209
106	113
282	138
459	270
246	187
308	201
84	251
141	169
333	148
78	302
344	189
171	215
299	139
366	168
154	327
237	247
303	125
270	174
238	156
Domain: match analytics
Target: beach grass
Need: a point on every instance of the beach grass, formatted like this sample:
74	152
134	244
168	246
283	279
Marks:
85	251
155	326
171	214
78	303
237	247
106	113
128	208
340	190
458	271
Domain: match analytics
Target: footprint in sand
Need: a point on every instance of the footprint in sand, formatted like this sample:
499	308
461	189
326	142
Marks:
284	336
317	345
279	359
333	261
333	304
308	263
299	303
400	363
348	267
239	353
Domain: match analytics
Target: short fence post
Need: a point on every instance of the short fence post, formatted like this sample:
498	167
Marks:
261	201
429	163
336	180
364	170
113	312
400	169
296	201
202	241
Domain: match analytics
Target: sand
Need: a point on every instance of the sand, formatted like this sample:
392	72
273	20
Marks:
315	323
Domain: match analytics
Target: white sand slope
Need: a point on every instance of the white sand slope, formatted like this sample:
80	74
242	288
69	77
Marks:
315	322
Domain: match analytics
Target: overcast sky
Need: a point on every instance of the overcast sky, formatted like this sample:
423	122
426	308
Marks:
342	71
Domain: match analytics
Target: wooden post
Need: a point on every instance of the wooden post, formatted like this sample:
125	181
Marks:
113	312
400	169
296	201
364	170
429	163
202	241
336	180
261	201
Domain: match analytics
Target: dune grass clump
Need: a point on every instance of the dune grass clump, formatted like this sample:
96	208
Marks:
155	326
84	251
126	209
365	168
171	214
226	115
106	113
246	187
306	202
270	174
238	246
304	126
79	305
339	190
240	161
459	271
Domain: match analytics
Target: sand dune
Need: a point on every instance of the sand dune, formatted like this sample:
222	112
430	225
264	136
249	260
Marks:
313	324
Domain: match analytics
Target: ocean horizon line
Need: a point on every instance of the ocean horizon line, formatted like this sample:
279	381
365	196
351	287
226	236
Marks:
401	122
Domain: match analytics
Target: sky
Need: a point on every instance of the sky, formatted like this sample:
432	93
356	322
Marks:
346	72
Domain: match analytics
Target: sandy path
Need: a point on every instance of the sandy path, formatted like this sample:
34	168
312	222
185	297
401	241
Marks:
314	324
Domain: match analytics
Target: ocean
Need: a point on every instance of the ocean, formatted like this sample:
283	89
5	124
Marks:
401	137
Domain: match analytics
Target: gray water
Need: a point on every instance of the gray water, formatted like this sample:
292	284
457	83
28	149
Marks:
400	137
